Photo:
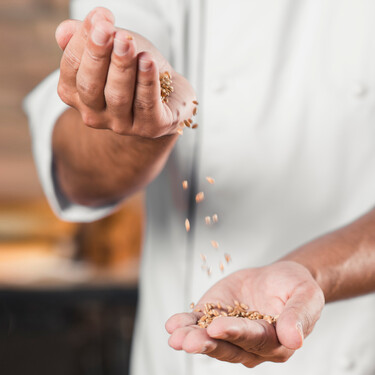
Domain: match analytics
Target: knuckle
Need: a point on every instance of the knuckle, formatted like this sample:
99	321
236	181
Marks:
72	60
251	363
261	344
115	99
90	119
144	105
88	88
65	94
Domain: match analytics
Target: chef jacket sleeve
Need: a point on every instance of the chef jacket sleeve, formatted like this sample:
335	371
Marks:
43	106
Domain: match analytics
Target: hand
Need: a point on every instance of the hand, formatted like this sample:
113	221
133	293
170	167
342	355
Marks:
111	76
284	288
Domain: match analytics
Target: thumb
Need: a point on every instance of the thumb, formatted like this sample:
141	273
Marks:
298	318
65	31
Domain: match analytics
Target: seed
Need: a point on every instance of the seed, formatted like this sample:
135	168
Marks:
215	244
194	126
180	131
195	111
190	121
203	257
192	305
210	180
207	220
187	123
227	258
165	86
211	312
195	102
236	303
215	218
221	266
245	307
129	37
187	225
199	197
185	184
209	271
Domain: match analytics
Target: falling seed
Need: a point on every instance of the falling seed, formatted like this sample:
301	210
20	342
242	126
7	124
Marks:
194	126
187	225
195	111
227	258
192	305
190	121
185	184
215	244
129	37
210	180
199	197
221	267
187	123
180	131
207	220
209	271
195	102
215	218
203	257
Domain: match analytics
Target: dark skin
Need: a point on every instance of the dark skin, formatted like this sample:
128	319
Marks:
116	138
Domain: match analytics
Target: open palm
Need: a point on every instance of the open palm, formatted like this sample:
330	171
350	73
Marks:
283	289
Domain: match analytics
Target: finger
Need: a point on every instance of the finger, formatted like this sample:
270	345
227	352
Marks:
92	73
71	37
256	336
65	31
178	336
119	89
182	320
198	341
147	103
299	316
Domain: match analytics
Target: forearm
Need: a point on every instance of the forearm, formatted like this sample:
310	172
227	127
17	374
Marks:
94	167
343	261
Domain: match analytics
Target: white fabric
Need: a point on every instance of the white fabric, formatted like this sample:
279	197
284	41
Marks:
286	115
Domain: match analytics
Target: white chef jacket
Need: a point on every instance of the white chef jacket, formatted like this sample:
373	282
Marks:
286	128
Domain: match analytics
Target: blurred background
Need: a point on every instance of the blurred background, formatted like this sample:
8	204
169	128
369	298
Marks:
67	291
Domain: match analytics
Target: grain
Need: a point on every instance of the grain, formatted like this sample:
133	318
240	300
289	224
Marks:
185	184
129	37
195	111
221	266
227	257
180	131
207	220
194	126
187	123
215	218
210	180
166	87
195	102
214	244
192	305
203	257
199	197
239	310
187	225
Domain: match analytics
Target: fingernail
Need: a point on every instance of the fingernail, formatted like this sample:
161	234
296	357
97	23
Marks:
99	37
145	65
120	48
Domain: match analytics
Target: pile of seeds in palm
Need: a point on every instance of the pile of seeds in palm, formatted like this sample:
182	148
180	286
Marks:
212	311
